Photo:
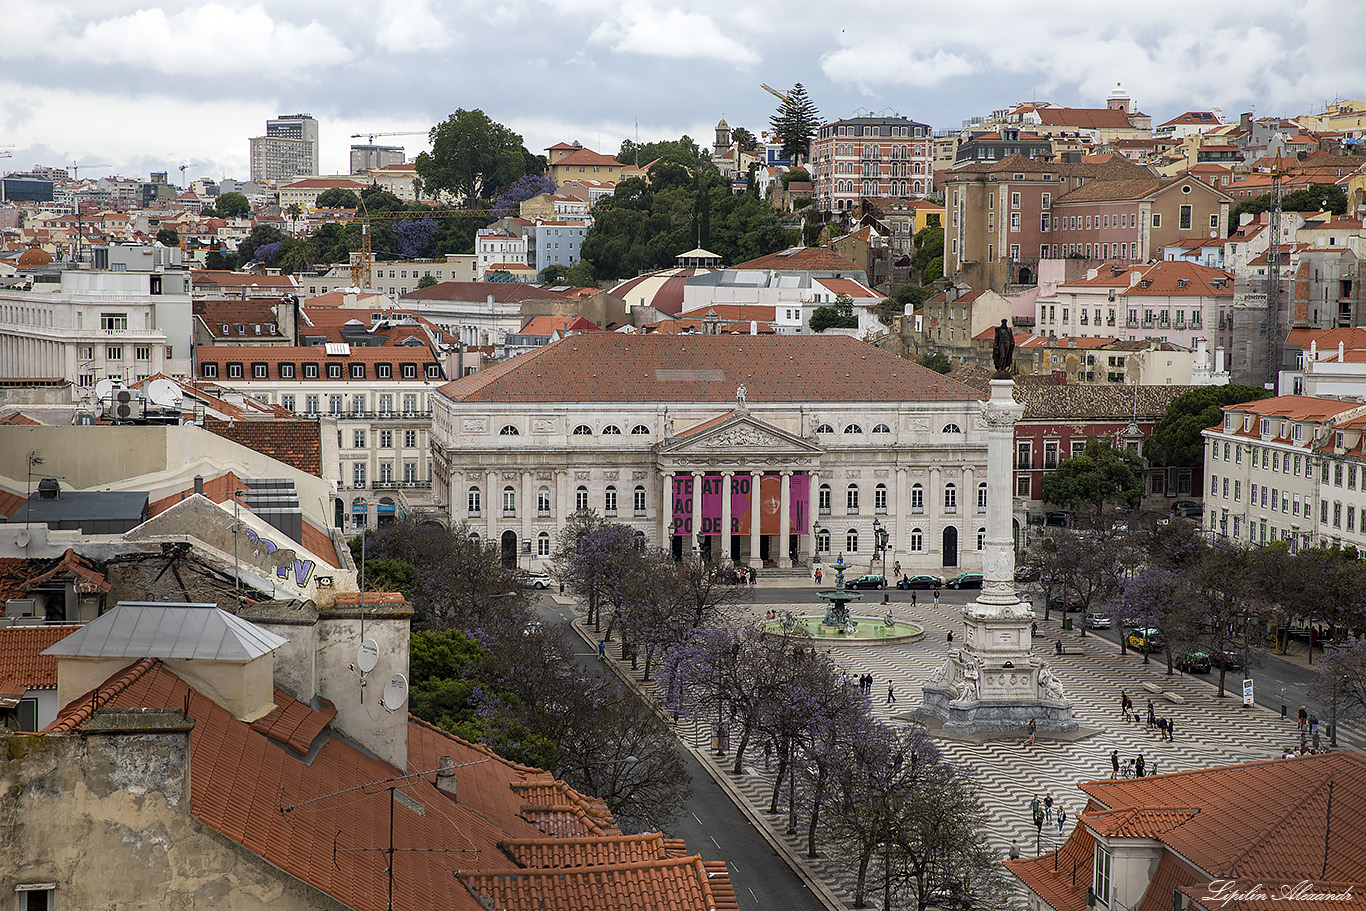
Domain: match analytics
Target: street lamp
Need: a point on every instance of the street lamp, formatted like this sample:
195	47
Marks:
237	536
880	536
1333	724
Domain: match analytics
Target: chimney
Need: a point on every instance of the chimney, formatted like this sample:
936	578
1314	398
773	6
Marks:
445	775
1341	353
1219	359
753	327
1200	352
1314	349
199	484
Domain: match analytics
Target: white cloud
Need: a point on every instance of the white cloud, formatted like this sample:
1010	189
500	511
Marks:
213	39
409	25
888	62
672	34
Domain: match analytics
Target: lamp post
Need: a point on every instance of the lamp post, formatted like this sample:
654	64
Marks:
237	536
1333	723
880	536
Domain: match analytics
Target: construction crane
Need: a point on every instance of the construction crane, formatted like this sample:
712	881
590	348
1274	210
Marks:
781	96
362	265
370	137
75	168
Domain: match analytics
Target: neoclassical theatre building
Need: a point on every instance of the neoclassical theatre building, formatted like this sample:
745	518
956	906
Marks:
767	450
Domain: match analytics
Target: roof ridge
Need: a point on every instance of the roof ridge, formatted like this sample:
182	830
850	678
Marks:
65	723
1285	818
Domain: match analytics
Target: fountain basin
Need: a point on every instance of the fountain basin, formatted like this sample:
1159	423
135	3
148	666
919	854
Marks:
869	631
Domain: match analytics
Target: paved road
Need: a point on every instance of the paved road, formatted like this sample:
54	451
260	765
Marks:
711	823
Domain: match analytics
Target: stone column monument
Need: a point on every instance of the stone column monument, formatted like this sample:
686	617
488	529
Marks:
994	683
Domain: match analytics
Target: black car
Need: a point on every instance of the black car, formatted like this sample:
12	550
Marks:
966	580
922	581
1193	662
1026	573
1229	660
1064	603
869	580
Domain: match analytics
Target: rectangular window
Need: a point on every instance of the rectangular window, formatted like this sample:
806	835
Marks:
334	404
1050	454
286	371
1238	455
209	371
142	353
310	371
358	474
1351	517
410	439
258	371
358	439
1100	883
1185	218
410	472
1157	220
357	371
386	439
113	322
410	404
358	403
386	405
1351	477
386	472
287	401
311	404
1225	494
334	371
1237	491
384	371
234	371
1337	515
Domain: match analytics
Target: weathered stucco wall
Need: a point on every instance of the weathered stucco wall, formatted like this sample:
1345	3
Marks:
107	818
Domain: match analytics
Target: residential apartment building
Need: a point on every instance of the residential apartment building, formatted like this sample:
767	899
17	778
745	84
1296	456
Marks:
570	161
392	278
1133	220
288	149
996	144
1173	301
1281	469
304	193
486	313
83	326
380	398
367	156
957	315
494	248
870	156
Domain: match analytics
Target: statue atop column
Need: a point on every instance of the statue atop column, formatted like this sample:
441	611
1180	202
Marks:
1003	350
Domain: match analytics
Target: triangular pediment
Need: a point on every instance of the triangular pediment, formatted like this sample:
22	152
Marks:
740	432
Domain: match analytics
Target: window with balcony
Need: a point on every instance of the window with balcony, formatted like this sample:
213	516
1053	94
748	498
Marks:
880	499
358	475
638	501
851	500
982	496
473	502
509	502
823	500
581	499
950	497
917	498
609	501
386	473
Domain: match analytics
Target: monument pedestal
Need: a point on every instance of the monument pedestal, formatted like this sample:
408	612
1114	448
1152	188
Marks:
994	683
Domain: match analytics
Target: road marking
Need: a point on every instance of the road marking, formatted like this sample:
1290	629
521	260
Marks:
694	816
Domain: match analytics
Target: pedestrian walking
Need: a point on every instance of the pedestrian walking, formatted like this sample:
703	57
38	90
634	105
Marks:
818	575
891	694
1304	718
936	597
1014	850
1171	725
950	637
1033	731
912	599
1138	765
602	651
1124	704
1313	723
896	568
1036	806
1114	764
1128	708
1062	819
753	576
1048	808
1152	715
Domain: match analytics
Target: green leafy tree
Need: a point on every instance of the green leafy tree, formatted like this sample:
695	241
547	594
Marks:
580	275
232	205
936	361
260	236
426	281
795	123
1315	198
473	157
914	295
168	237
929	246
217	260
839	315
1176	439
1100	475
337	198
552	274
796	175
683	151
379	200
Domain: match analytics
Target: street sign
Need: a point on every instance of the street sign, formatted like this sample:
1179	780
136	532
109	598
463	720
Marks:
1247	692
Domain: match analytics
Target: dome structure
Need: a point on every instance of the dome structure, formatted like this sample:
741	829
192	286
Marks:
662	290
34	257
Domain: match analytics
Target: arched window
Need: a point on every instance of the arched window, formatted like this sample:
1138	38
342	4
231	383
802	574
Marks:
952	428
851	500
823	541
543	544
609	501
981	539
881	428
583	430
851	541
509	431
823	500
880	499
641	430
581	499
543	502
917	498
638	501
950	497
852	428
917	541
509	501
639	539
982	496
474	502
824	428
919	187
612	429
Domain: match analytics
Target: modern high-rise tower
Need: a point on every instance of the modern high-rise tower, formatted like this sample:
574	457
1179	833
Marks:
289	149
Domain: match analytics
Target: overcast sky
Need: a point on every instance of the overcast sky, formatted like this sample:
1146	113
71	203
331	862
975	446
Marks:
146	86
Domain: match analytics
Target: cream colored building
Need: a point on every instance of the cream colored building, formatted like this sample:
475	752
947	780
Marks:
839	438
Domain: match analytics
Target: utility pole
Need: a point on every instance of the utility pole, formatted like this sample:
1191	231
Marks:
1273	280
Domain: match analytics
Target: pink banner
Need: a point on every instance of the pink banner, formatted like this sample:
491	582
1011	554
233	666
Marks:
742	504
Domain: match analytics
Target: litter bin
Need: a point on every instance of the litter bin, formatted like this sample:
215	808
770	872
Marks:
1066	622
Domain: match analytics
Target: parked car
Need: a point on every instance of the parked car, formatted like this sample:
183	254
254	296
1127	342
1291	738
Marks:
1193	662
535	580
966	580
921	581
1064	602
1146	639
868	580
1056	519
1229	660
1026	573
1097	621
1187	509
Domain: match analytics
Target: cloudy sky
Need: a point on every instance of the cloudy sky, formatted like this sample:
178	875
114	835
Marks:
137	87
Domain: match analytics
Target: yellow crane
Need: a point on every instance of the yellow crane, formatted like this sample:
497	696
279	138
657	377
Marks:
363	264
370	137
781	96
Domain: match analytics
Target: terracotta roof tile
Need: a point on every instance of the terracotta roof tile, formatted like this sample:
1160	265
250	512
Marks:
21	654
615	367
1142	822
802	259
294	441
17	417
669	883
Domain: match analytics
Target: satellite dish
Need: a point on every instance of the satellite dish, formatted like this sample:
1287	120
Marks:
163	393
104	390
367	656
395	693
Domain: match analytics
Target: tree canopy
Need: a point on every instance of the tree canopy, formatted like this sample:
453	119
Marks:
1314	198
337	198
928	259
1100	475
839	315
474	157
232	205
795	123
1176	439
168	237
683	151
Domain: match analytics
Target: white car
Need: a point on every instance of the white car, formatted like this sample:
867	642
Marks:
1097	621
537	581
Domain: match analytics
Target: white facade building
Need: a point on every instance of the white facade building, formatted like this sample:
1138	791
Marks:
837	438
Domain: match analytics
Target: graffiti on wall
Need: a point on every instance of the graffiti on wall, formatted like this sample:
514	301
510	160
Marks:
266	554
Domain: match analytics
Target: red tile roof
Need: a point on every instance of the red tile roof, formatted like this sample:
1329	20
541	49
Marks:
17	417
501	292
804	259
294	441
668	883
588	158
21	654
324	183
1085	118
615	367
1295	407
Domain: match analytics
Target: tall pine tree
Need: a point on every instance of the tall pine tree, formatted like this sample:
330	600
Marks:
795	123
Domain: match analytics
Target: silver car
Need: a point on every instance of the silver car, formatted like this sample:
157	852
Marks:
1097	621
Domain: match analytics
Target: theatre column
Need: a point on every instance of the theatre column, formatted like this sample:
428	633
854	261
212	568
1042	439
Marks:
785	522
666	509
756	512
727	479
493	504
